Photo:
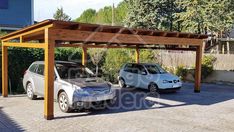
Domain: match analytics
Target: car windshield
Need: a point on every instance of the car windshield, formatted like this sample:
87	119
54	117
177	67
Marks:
72	70
155	69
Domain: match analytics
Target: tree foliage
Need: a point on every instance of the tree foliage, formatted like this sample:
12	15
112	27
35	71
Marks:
153	14
88	16
104	15
202	16
114	60
61	15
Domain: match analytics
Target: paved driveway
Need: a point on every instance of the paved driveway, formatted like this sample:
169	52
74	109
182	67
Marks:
211	110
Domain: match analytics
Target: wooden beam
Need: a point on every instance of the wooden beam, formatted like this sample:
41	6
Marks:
49	77
137	55
100	37
92	46
198	69
119	47
162	48
4	71
25	33
24	45
84	56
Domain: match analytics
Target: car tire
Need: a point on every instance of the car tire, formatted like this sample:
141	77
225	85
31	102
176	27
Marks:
30	93
122	83
64	102
153	88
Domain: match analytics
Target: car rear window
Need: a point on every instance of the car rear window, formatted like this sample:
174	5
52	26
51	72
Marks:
33	68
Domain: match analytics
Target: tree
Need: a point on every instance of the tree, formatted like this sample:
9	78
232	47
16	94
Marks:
88	16
121	13
202	16
152	14
104	15
96	56
114	60
60	15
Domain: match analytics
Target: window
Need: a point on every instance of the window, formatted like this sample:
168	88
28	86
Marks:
140	69
3	4
128	68
134	68
40	69
71	71
155	69
33	68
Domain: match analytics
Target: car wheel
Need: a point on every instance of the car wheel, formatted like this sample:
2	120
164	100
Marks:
122	83
30	92
153	88
63	102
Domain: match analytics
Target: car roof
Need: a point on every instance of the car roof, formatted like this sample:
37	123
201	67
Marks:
56	61
143	63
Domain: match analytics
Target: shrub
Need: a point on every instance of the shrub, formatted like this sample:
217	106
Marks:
207	66
182	72
21	58
115	58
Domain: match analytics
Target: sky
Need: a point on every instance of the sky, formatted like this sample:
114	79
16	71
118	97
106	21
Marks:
44	9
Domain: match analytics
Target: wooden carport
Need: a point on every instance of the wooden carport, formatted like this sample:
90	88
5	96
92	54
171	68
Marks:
50	34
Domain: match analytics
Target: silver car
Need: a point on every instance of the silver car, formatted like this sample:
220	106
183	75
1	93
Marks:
75	86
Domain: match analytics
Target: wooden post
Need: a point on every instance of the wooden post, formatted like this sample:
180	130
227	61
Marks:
4	71
49	77
84	56
198	69
223	50
137	55
228	45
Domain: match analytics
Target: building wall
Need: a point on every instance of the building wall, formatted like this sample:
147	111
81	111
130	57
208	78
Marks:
17	13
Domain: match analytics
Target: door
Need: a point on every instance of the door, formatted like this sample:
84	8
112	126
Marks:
33	74
39	79
128	75
142	79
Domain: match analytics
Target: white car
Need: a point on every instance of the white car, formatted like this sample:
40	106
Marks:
148	76
75	86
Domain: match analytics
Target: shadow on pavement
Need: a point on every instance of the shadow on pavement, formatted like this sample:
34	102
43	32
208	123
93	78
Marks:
132	99
8	124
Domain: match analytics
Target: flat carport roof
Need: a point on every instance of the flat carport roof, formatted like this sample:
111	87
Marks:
50	34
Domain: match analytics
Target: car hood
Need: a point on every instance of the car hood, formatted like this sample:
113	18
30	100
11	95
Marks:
166	76
88	82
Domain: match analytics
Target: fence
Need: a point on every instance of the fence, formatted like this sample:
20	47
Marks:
173	59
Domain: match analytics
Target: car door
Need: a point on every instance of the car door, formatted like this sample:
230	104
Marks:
142	80
128	75
33	74
39	83
134	75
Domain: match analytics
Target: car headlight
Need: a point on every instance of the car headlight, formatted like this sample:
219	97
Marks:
80	90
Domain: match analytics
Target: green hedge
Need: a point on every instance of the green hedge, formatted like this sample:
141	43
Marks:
19	59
